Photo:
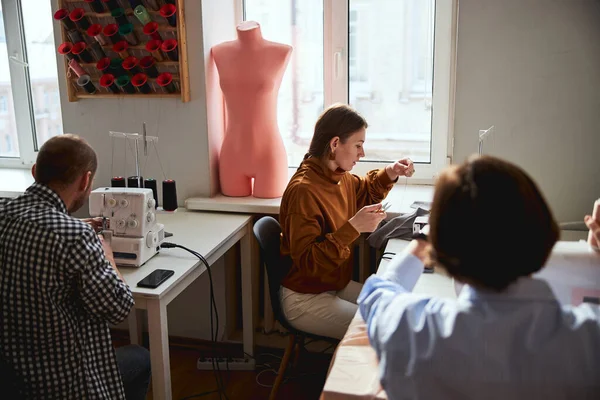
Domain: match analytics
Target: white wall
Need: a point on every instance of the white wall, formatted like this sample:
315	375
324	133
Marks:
532	69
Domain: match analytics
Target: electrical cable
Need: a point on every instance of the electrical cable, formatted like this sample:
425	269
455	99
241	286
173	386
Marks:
212	306
383	256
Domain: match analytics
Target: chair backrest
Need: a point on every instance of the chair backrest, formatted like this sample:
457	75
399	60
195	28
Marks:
268	233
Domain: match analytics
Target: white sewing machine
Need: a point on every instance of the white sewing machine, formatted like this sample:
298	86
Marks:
131	226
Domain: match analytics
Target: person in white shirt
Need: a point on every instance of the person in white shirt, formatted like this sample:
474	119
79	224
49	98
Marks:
506	336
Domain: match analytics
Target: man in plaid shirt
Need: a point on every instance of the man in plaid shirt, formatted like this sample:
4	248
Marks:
59	289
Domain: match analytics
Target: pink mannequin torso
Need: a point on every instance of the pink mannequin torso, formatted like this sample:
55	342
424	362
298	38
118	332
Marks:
250	73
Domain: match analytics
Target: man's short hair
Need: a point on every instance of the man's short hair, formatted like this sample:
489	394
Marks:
63	158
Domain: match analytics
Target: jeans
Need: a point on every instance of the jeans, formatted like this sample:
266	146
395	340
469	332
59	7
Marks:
134	365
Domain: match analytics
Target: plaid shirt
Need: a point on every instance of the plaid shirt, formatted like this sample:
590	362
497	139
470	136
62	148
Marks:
58	293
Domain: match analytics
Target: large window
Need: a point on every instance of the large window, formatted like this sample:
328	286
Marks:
390	59
29	98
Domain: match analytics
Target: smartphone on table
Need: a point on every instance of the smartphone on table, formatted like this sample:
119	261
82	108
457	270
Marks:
155	278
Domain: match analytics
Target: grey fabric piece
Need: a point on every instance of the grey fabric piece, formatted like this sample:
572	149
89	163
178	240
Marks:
400	227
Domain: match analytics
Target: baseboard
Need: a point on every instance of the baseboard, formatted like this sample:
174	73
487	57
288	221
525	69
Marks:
122	336
271	342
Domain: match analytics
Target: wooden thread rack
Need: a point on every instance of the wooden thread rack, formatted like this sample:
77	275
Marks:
178	69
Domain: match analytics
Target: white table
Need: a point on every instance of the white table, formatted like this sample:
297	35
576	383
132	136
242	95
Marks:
353	373
211	235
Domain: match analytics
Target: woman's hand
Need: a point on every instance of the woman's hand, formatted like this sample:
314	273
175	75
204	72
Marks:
404	167
368	218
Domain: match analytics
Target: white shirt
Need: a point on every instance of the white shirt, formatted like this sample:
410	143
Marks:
518	344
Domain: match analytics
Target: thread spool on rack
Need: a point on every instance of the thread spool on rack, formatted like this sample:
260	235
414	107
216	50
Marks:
117	22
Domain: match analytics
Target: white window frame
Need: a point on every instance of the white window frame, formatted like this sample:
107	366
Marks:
20	86
336	84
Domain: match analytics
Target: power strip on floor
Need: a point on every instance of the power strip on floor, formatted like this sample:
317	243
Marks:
234	364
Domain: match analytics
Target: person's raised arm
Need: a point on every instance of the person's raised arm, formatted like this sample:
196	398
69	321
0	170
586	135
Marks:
372	188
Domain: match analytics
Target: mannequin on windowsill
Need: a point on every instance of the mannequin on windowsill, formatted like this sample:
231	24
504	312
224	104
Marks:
250	72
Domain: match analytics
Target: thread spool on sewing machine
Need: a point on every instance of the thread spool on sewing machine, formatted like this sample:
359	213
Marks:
169	191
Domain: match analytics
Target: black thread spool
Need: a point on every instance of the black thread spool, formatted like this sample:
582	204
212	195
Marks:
111	4
119	15
80	50
62	15
107	81
95	32
135	181
117	181
131	65
150	183
140	81
169	47
79	18
148	64
65	49
135	3
111	32
103	64
168	11
169	192
96	5
165	81
86	83
97	51
75	36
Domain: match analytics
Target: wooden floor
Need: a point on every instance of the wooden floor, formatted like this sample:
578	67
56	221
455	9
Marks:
304	381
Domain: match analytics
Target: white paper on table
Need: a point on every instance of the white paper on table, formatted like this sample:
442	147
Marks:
354	375
573	272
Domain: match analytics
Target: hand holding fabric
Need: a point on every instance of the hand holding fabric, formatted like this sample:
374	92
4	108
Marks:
95	223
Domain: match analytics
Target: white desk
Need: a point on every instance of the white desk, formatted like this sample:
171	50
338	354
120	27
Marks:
353	373
210	234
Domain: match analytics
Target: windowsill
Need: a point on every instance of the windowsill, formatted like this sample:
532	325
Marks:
400	197
14	181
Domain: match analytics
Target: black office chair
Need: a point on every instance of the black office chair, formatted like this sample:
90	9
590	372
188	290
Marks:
268	233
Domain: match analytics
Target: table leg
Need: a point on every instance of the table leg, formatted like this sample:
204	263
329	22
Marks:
135	326
248	302
363	260
159	350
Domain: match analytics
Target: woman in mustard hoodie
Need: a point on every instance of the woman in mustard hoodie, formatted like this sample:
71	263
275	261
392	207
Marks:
324	209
